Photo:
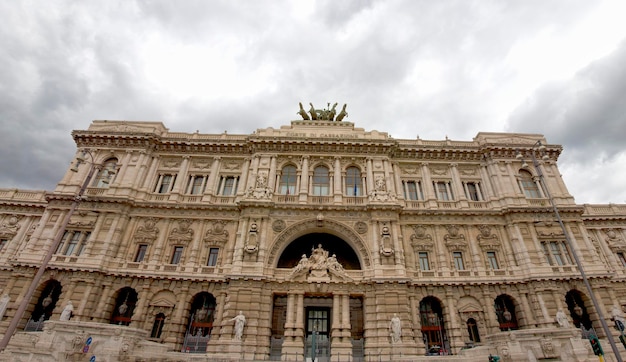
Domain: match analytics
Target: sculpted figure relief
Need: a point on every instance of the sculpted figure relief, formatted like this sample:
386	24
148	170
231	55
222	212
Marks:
319	265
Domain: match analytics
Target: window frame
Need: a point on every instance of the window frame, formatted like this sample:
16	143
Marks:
288	181
457	259
177	254
320	185
142	251
423	261
353	182
492	260
213	256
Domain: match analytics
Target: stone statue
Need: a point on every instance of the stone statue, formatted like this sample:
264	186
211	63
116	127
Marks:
332	112
318	257
395	327
67	312
561	319
4	303
302	113
313	112
240	322
617	314
342	114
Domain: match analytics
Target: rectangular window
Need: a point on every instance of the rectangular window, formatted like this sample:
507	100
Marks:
443	191
228	185
622	258
413	190
177	255
165	183
141	252
196	184
457	257
64	239
213	252
556	253
423	259
3	243
72	243
492	260
473	192
83	242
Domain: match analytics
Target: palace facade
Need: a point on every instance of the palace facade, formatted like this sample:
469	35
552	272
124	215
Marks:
318	239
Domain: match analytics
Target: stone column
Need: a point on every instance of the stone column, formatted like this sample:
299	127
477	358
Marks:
211	188
428	190
304	180
80	310
148	180
271	178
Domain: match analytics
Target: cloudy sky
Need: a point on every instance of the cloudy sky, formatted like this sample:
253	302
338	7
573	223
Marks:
427	68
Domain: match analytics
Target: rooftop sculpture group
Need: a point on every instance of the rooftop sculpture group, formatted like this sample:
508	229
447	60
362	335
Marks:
327	114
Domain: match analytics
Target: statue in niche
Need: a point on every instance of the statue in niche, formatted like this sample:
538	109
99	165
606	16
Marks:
302	113
386	245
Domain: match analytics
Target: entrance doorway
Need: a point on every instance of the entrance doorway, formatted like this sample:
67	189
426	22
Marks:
317	346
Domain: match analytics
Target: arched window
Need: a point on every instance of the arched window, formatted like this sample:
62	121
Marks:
505	311
472	330
321	181
288	179
354	185
200	323
528	185
106	174
157	326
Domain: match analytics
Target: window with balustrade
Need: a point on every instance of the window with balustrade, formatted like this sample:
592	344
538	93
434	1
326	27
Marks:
412	190
165	183
443	190
473	191
556	252
321	181
73	242
288	180
354	182
106	173
196	184
528	185
228	185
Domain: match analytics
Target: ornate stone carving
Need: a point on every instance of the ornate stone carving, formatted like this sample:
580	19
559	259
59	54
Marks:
252	241
380	192
360	227
10	228
216	235
421	241
183	234
548	228
319	267
486	239
386	243
279	225
454	240
260	190
148	232
615	240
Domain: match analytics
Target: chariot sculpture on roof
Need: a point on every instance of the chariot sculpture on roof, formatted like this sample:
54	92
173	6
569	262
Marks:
327	114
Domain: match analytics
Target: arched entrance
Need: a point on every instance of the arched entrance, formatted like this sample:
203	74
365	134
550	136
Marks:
315	310
45	305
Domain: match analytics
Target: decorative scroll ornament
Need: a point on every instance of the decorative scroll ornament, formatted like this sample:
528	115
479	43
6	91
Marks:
548	228
183	234
421	241
615	240
318	267
216	235
327	114
252	242
386	244
454	240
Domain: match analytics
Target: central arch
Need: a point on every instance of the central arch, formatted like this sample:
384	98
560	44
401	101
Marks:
315	226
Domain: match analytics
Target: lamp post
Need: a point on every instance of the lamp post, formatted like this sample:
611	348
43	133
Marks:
539	146
19	313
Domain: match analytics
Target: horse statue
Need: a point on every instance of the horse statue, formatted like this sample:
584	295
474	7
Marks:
313	112
302	113
342	114
332	112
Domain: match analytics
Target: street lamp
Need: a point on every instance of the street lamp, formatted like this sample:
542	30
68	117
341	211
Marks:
541	147
19	313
